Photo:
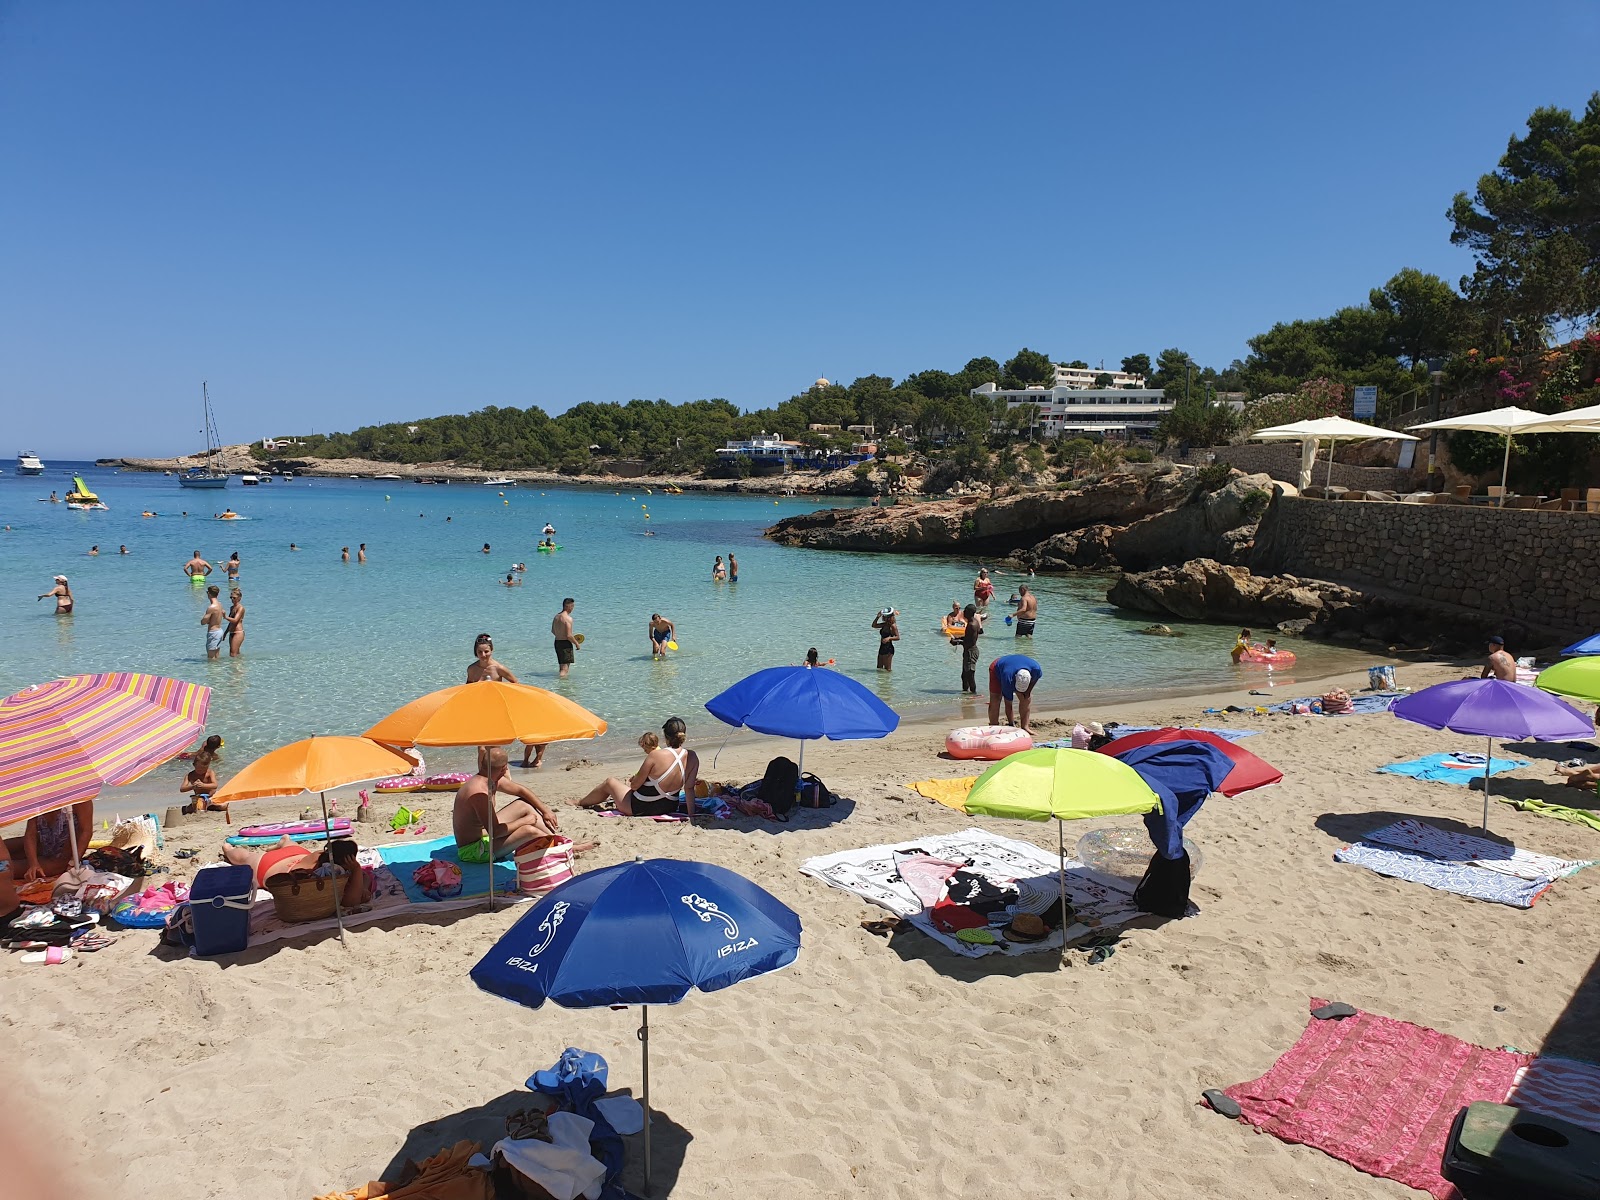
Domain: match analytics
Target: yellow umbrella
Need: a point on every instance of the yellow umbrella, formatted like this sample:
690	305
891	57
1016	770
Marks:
1036	785
314	765
487	713
1578	678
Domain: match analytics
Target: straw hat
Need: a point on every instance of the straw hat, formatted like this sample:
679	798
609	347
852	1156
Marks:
1025	927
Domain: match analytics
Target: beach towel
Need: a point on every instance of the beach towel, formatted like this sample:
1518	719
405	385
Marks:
1456	862
1560	1087
1561	812
945	790
1451	768
1377	1093
403	859
1098	903
1231	735
1363	705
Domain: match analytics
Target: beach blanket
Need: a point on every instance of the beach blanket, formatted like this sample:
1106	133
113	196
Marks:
870	873
1560	1087
1561	812
1231	735
403	858
945	790
1363	704
1377	1093
1455	862
1451	768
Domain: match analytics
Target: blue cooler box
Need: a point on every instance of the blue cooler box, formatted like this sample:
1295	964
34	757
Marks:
220	901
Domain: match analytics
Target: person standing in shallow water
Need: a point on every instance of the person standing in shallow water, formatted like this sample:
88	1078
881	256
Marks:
733	568
561	630
235	621
213	621
969	649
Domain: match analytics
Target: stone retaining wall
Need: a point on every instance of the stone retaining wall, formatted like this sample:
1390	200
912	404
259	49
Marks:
1281	460
1514	565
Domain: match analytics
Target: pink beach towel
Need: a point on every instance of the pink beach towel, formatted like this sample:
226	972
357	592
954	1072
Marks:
1377	1093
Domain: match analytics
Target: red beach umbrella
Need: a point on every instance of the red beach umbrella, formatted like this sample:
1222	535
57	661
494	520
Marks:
1249	771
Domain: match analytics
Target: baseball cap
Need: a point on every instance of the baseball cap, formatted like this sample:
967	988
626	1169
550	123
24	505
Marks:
61	578
1024	679
1494	641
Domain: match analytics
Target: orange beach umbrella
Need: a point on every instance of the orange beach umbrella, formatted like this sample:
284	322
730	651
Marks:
487	713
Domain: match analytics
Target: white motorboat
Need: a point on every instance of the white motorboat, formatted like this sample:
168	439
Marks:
249	480
501	482
28	463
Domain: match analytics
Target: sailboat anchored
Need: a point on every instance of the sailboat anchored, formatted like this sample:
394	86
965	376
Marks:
207	476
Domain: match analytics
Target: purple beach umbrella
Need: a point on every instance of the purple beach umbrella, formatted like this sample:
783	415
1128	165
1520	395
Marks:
1493	708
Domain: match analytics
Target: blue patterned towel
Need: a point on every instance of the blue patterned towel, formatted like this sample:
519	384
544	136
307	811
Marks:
1436	768
1453	862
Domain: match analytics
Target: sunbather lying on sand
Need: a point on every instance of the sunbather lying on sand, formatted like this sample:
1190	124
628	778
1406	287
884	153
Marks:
1583	778
289	856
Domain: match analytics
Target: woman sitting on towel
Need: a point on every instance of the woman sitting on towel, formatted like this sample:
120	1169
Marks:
288	856
653	790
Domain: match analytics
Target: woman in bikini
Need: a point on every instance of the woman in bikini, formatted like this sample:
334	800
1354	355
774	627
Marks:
235	622
888	634
484	665
653	790
289	856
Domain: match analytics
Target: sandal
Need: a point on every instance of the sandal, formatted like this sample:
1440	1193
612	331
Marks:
53	957
882	928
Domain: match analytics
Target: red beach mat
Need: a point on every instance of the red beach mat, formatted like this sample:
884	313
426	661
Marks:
1377	1093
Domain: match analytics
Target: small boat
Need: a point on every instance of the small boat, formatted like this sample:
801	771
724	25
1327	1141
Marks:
394	477
249	480
28	463
501	482
81	497
207	476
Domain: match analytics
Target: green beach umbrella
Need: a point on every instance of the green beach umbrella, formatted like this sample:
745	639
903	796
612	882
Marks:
1577	678
1037	785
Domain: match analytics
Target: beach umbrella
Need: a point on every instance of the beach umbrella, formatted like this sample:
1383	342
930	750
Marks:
1183	774
1036	785
1335	429
1588	645
1578	678
67	740
1247	771
490	712
316	764
1508	422
645	932
1493	708
805	703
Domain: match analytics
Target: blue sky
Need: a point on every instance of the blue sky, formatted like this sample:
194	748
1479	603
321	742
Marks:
340	214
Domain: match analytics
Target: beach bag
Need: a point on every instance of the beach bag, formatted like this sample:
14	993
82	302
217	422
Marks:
779	784
813	793
1164	890
1380	679
543	863
1337	701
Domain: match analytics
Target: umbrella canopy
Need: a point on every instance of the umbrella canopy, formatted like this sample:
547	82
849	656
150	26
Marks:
644	932
1589	645
1036	785
1574	420
1183	774
316	764
1505	421
1577	677
1335	429
1493	708
1247	770
65	741
487	713
804	702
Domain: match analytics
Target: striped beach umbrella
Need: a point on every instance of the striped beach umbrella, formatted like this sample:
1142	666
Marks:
64	741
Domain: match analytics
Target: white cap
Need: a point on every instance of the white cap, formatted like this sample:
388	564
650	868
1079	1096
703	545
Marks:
61	578
1024	679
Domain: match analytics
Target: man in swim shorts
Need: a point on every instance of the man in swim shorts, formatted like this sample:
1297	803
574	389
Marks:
561	630
196	566
214	621
516	822
661	632
1027	611
1013	677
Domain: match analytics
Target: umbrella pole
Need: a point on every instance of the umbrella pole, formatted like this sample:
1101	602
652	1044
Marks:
1505	469
1484	828
1333	446
1061	845
489	831
327	837
644	1042
72	830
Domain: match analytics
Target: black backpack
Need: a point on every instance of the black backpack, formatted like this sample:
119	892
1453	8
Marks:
779	785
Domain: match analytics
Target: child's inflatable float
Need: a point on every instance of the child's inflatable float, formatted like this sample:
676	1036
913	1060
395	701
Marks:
418	783
986	741
953	628
1260	654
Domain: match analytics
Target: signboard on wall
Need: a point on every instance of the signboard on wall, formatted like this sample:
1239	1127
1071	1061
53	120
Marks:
1366	402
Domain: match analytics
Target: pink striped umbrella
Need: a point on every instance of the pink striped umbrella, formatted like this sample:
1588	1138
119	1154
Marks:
63	741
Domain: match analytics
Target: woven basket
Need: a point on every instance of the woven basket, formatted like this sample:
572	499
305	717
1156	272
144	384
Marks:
304	895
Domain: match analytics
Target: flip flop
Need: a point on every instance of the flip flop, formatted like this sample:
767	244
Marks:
53	957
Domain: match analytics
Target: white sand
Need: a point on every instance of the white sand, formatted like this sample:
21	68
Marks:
869	1068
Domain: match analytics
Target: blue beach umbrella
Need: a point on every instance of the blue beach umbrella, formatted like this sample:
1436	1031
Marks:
1589	645
804	703
644	932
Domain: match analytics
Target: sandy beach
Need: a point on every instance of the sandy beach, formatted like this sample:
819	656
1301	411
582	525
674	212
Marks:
872	1066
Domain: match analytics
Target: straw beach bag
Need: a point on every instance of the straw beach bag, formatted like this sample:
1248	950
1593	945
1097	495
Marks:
304	895
543	864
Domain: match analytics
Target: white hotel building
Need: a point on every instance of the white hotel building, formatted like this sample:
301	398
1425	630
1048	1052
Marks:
1075	406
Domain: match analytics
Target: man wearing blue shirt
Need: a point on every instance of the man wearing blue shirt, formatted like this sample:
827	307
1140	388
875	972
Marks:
1013	676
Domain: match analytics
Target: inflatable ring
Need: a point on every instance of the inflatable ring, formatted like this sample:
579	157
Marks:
401	783
1278	658
986	741
445	783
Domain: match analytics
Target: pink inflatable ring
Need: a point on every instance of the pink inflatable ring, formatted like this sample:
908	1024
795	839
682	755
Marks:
986	741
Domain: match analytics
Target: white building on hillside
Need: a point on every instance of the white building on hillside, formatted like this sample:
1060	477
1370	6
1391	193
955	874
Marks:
1070	411
1084	377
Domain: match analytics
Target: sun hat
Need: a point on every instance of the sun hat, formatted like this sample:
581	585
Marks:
886	612
1096	729
1025	927
1024	679
61	578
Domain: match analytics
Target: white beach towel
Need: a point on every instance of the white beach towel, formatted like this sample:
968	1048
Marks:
869	873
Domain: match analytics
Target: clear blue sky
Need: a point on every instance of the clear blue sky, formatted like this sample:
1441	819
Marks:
346	213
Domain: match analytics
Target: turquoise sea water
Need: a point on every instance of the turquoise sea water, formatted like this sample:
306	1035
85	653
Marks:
331	647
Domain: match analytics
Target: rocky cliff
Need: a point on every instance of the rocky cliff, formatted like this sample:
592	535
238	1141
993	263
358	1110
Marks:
1205	590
